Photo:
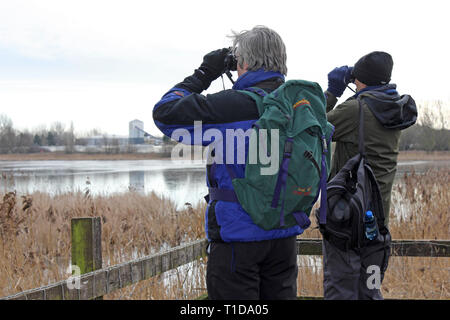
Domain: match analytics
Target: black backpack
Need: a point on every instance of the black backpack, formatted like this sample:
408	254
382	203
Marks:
350	194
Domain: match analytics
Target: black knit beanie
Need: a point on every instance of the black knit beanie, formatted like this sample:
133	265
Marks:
374	68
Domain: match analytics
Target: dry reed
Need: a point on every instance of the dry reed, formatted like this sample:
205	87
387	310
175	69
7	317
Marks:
412	155
35	240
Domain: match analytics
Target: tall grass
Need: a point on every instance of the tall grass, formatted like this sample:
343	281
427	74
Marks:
35	232
424	155
35	240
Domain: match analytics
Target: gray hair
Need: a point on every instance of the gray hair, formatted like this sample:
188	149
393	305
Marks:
260	47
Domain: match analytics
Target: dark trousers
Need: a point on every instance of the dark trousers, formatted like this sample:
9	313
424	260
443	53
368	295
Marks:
345	275
265	270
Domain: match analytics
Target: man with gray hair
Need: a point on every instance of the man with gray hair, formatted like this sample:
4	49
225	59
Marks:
245	261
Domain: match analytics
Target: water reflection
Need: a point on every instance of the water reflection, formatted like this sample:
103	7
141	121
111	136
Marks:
180	183
186	185
137	181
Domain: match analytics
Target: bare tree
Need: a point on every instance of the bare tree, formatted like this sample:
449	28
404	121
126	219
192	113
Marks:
430	133
7	134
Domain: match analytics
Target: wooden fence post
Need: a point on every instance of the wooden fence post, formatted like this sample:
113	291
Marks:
87	244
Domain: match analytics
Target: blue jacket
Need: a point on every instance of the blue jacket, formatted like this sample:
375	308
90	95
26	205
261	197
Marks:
227	109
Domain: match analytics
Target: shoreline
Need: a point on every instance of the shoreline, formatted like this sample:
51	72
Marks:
53	156
424	155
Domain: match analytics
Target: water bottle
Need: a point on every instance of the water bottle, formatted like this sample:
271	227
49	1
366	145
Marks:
370	226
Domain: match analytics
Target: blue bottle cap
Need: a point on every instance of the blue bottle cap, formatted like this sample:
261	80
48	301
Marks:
369	214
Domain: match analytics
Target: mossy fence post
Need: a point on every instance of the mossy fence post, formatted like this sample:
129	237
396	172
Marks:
87	244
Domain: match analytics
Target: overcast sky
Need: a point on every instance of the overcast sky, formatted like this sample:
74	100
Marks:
102	63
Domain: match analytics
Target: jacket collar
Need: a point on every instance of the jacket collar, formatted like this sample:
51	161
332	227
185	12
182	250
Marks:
250	78
387	88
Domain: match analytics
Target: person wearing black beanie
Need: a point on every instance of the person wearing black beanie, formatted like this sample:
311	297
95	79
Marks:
385	114
374	68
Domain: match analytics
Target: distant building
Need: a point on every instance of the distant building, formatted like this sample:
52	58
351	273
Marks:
137	140
136	132
106	140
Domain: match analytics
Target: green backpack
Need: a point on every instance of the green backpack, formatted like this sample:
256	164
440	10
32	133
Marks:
281	200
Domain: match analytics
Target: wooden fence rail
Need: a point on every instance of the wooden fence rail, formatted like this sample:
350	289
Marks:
99	282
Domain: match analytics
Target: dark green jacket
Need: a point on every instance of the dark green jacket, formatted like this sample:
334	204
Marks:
385	115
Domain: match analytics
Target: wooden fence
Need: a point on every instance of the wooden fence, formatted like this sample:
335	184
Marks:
94	282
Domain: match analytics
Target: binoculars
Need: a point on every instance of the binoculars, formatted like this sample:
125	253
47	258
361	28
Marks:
230	64
350	75
230	61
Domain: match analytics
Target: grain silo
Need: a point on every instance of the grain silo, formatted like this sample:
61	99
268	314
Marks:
136	132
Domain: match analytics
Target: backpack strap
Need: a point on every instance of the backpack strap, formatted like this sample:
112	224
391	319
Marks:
280	186
323	180
223	195
260	92
257	94
361	148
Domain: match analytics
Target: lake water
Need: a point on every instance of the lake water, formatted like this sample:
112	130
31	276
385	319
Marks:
182	182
